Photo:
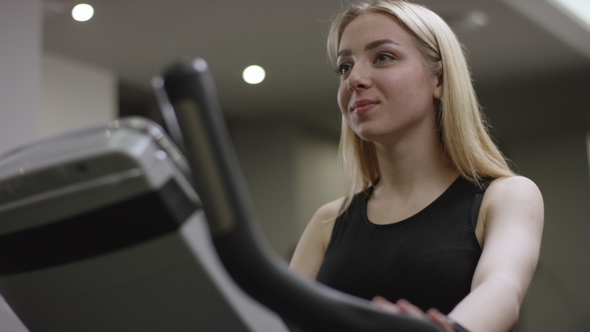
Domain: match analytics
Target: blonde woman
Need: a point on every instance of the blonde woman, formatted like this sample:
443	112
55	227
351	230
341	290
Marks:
435	224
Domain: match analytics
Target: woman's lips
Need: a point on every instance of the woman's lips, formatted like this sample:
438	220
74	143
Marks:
363	106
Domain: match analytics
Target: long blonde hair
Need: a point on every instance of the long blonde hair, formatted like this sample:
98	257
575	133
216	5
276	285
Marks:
462	127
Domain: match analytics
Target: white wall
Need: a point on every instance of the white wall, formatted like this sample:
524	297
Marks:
74	95
43	94
20	61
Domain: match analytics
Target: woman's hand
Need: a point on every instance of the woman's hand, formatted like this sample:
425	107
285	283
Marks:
406	308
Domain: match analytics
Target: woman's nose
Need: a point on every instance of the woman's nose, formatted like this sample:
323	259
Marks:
357	79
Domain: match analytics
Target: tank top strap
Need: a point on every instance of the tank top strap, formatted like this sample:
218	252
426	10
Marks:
476	204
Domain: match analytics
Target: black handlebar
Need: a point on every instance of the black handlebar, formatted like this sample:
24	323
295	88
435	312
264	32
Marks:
218	180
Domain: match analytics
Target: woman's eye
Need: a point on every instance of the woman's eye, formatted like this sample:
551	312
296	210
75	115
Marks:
383	58
343	69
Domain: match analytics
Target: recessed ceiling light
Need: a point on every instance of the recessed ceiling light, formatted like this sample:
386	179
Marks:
254	74
577	9
468	22
82	12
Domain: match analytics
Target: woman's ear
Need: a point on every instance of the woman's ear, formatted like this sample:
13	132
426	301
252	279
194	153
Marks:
438	89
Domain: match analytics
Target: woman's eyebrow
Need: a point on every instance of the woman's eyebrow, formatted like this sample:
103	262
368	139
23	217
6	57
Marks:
377	43
369	46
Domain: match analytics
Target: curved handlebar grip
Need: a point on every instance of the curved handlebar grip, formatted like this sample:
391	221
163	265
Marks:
248	259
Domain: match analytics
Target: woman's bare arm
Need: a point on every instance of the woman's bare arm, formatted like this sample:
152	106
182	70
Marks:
311	248
513	212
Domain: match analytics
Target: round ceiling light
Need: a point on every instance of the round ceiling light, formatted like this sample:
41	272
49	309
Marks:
82	12
254	74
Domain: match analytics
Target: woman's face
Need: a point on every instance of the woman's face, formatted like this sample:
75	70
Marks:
385	88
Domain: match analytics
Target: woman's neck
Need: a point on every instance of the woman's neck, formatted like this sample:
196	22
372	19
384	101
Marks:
412	177
413	165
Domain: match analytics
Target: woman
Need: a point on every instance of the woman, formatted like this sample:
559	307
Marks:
435	224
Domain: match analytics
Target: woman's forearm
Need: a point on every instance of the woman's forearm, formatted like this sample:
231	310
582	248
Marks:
493	306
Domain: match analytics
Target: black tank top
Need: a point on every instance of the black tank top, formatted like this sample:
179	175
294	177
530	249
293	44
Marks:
428	259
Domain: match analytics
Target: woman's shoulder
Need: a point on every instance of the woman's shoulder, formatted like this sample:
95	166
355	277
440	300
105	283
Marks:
512	187
328	212
513	196
312	246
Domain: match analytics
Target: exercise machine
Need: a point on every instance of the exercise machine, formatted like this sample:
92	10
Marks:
126	228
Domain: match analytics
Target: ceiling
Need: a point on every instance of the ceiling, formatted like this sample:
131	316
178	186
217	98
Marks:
137	39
